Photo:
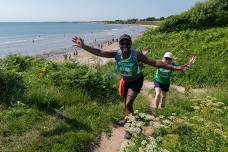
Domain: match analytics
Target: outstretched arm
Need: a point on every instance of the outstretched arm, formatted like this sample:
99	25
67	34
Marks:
80	43
192	61
158	63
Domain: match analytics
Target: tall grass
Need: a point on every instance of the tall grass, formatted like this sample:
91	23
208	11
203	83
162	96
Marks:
64	107
210	46
212	13
187	124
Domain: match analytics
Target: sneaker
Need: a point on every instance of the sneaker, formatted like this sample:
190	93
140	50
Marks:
127	135
121	122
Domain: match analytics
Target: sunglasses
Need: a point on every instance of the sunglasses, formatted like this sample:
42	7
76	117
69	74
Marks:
168	58
127	44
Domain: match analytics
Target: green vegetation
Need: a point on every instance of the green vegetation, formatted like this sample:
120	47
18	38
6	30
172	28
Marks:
46	106
193	36
53	109
146	21
188	123
12	86
212	13
210	46
49	107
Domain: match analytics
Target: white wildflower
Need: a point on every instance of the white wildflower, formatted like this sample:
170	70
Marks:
144	142
218	131
173	114
196	108
167	122
150	117
138	130
171	117
161	117
157	124
163	150
225	108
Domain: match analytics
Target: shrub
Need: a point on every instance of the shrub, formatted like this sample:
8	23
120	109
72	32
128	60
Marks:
91	81
12	86
210	46
18	63
213	13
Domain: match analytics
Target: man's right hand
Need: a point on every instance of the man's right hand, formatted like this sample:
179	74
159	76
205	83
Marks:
185	67
145	51
192	61
78	42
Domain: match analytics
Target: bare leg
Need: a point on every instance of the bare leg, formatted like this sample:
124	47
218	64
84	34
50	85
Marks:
157	99
129	100
163	99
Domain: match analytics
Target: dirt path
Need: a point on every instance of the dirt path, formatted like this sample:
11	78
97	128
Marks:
148	85
113	143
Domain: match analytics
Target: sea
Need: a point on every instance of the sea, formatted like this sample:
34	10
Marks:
37	38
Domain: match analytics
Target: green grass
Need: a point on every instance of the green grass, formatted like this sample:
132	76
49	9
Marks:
200	123
66	107
76	126
207	14
210	46
57	111
157	23
73	127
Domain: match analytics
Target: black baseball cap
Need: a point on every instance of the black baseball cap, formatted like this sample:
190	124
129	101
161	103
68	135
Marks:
125	36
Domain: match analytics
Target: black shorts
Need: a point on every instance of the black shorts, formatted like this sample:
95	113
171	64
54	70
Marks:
135	85
164	87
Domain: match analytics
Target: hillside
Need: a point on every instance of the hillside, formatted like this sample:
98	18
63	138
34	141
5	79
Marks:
212	13
189	122
210	46
46	106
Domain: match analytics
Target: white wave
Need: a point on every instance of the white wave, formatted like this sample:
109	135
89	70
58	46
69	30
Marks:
11	42
39	39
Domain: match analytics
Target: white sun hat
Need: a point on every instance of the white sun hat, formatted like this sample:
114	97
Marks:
168	55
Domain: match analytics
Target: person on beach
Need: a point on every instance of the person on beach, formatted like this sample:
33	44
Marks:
162	80
69	56
128	62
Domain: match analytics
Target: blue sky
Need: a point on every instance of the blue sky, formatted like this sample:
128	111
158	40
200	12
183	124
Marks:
87	10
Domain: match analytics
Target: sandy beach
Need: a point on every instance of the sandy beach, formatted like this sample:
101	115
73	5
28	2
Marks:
83	56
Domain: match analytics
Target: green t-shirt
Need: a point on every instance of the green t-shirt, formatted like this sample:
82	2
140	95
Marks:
163	75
